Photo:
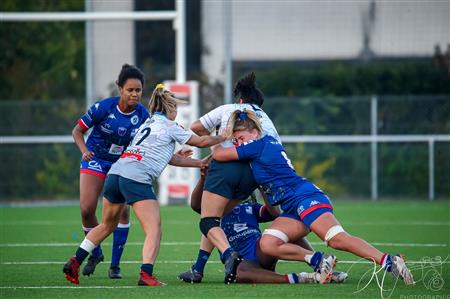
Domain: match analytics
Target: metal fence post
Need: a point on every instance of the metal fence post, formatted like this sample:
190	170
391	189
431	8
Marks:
374	147
431	169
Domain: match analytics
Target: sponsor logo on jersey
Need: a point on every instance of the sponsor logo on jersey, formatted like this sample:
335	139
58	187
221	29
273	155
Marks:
106	130
134	120
121	131
94	165
249	210
136	154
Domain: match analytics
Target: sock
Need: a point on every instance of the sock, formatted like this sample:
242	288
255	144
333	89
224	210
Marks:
386	262
97	250
120	236
291	278
81	255
147	268
83	251
226	254
202	258
314	260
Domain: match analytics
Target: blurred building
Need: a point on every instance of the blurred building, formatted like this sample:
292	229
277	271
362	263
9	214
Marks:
270	30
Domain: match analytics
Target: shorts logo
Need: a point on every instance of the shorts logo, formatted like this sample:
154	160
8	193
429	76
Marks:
121	131
134	120
94	165
300	209
314	202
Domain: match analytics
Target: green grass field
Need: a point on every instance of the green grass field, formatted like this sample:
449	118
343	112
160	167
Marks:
35	243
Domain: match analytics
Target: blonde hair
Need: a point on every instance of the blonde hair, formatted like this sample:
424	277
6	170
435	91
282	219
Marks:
163	101
244	120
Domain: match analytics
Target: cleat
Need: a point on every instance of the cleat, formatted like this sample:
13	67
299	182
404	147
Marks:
114	273
92	262
72	270
231	265
338	277
400	270
146	279
311	277
326	267
192	276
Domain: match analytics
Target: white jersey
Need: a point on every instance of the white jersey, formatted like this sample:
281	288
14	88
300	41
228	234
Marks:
150	150
220	116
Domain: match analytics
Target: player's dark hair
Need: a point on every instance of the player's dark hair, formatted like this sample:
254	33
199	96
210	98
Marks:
246	90
162	101
130	72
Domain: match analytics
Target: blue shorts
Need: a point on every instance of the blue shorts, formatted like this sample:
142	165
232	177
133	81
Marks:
232	180
248	249
122	190
97	167
307	205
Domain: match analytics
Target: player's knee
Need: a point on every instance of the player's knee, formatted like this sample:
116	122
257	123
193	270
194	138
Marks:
87	215
208	223
271	240
336	238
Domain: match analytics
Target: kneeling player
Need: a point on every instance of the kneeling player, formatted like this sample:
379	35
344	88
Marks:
241	226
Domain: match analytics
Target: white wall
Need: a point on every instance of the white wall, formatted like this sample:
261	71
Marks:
114	45
325	29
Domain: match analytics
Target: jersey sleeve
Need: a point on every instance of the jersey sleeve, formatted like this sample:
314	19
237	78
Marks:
262	213
179	134
93	116
250	151
212	119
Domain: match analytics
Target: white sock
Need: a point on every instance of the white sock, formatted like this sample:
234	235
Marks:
87	245
308	258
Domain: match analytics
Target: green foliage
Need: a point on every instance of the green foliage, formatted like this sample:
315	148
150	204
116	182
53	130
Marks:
41	60
316	172
56	178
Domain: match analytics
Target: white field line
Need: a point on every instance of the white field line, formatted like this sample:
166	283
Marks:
209	262
197	243
181	222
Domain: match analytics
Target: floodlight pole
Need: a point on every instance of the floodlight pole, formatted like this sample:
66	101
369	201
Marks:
89	52
179	24
228	48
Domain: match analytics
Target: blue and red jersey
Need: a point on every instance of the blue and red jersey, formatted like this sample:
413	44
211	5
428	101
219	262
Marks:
112	130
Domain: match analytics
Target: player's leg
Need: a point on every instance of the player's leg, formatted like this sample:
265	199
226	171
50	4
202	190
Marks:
110	218
195	274
337	276
148	214
120	236
91	184
329	229
275	240
252	272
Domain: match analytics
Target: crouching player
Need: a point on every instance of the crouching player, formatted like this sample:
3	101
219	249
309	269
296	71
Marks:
241	226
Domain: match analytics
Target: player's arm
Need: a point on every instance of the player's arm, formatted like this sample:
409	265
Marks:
78	137
220	153
199	129
269	212
181	161
205	141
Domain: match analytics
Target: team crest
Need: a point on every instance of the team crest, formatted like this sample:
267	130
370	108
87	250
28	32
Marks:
121	131
134	120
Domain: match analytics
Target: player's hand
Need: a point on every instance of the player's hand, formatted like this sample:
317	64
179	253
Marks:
187	153
87	156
